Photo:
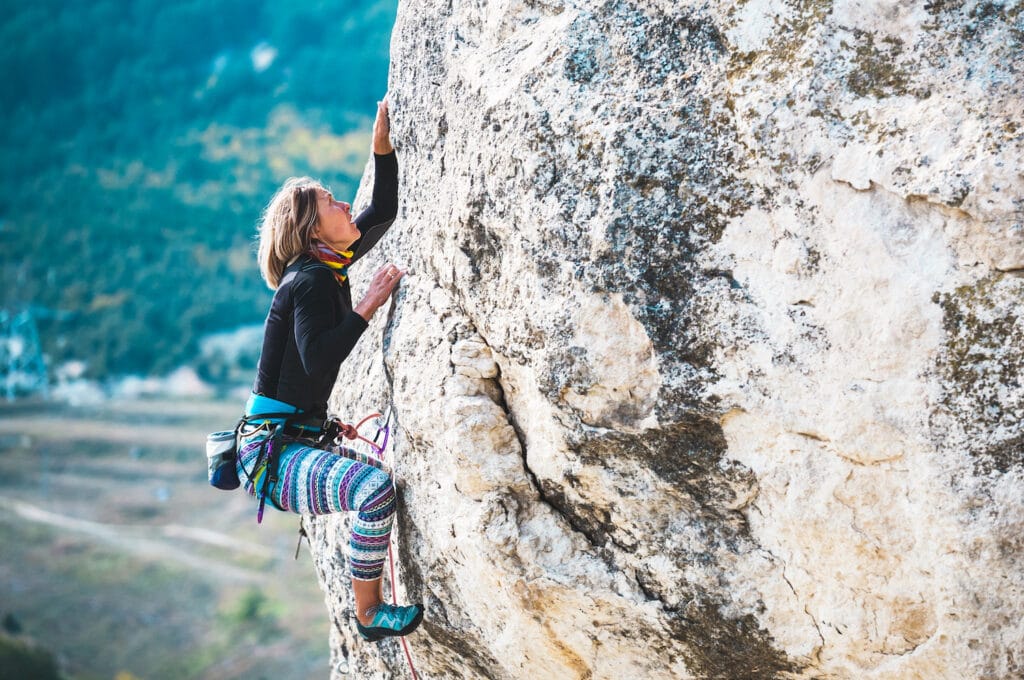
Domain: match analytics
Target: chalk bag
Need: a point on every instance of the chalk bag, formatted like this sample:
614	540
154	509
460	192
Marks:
221	453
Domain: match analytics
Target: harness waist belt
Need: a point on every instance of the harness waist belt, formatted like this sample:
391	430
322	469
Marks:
280	412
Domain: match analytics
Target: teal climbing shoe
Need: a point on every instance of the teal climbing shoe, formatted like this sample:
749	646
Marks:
391	620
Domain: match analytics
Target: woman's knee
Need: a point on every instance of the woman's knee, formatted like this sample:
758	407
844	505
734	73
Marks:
380	501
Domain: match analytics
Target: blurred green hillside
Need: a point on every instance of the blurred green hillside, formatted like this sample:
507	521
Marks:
139	142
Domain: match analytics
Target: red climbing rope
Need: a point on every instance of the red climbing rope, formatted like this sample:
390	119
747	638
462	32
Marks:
394	600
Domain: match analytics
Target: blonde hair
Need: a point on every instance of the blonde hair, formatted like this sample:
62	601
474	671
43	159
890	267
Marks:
287	226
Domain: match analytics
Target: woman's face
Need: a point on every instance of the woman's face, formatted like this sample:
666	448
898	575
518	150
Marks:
334	225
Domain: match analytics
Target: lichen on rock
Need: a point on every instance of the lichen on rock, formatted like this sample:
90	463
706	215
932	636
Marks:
982	370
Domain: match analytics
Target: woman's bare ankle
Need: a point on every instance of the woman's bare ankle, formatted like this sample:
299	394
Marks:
365	616
367	597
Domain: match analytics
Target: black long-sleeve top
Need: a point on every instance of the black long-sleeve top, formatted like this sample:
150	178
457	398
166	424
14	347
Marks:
311	326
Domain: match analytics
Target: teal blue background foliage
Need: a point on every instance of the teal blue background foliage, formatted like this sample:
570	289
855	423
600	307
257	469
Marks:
139	142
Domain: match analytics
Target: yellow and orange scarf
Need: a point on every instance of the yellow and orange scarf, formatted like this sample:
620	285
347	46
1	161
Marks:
337	260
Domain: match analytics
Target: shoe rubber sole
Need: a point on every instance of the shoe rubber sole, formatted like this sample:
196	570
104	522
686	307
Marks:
375	634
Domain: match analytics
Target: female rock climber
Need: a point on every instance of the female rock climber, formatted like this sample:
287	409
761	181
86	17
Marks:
307	241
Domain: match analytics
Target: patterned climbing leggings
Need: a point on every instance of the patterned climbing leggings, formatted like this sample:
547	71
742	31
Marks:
324	481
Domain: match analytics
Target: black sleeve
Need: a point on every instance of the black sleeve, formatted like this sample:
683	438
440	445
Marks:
380	215
322	345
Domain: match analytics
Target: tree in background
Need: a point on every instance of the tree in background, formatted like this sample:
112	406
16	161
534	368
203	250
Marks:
140	140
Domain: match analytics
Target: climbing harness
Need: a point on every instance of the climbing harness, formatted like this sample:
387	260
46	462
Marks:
281	429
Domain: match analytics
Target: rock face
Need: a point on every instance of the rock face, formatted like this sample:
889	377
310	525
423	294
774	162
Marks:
710	361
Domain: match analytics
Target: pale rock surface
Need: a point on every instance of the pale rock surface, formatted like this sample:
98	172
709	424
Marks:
709	360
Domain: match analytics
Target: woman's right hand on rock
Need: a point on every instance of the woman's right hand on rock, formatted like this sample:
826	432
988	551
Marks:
382	285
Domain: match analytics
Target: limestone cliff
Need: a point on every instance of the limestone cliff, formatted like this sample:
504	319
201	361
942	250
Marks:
709	363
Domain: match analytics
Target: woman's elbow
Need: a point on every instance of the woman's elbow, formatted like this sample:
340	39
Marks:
321	363
313	361
310	366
